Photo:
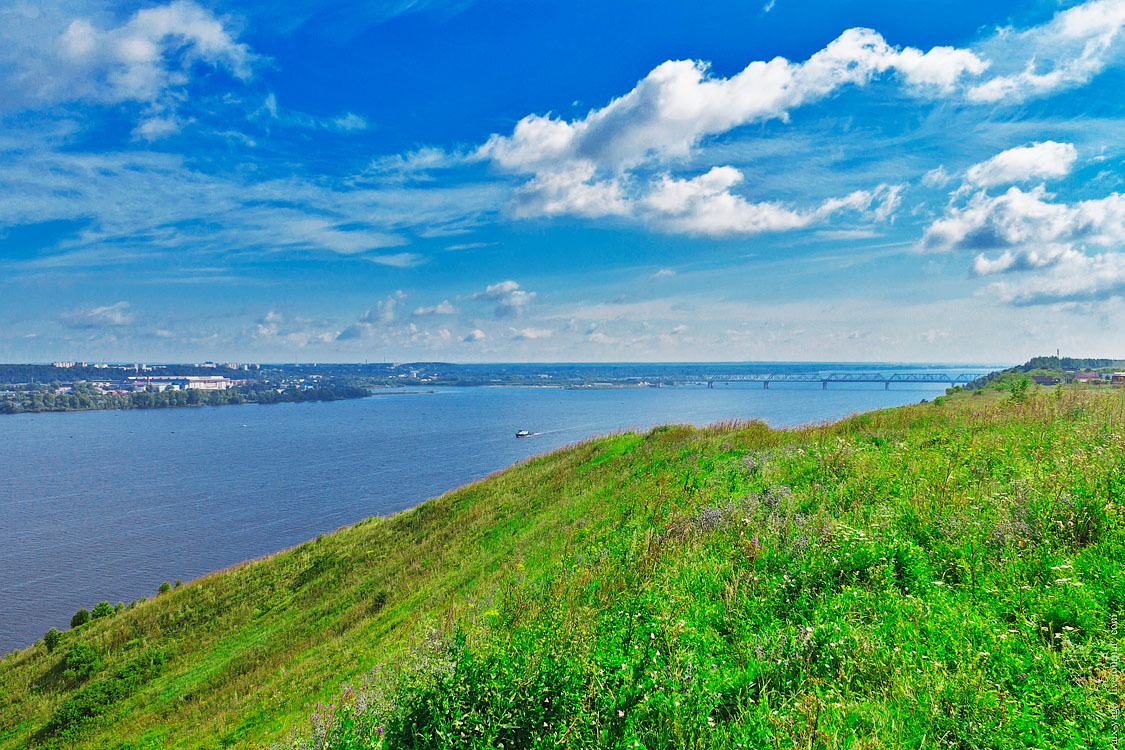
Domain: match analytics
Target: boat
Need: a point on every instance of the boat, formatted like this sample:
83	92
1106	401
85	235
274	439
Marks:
523	433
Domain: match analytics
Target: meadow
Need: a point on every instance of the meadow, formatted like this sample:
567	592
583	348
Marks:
944	575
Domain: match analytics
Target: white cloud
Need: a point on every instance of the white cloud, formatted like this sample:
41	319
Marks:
274	328
397	260
1039	160
469	245
1075	278
663	273
379	317
572	190
1077	44
475	335
107	316
1027	221
705	205
157	127
511	300
148	58
679	102
350	121
1042	244
442	308
936	177
529	334
333	236
597	337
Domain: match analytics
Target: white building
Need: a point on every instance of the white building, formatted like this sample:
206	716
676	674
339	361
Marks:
179	382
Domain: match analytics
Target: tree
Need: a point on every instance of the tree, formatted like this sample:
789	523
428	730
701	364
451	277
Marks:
1019	389
164	588
102	609
81	617
52	638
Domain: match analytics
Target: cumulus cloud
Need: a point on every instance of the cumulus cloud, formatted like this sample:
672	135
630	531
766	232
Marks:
1037	161
705	205
1045	246
601	165
474	335
1028	221
573	190
528	334
509	298
382	315
1076	45
107	316
147	58
275	328
1075	278
442	308
679	102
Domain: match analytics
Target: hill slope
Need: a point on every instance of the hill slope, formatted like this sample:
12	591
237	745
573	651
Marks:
943	575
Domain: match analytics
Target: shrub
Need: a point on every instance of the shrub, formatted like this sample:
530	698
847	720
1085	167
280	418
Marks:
178	583
100	696
102	609
164	588
81	617
1019	389
51	638
81	661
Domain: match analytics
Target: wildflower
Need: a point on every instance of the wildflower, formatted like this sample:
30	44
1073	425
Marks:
620	714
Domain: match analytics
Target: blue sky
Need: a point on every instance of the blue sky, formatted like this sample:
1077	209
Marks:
509	181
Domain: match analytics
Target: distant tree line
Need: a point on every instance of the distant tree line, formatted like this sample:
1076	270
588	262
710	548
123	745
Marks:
84	396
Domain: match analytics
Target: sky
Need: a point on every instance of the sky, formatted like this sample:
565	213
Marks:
519	180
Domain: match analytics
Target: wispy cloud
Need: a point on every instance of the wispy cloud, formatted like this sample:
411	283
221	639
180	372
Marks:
106	316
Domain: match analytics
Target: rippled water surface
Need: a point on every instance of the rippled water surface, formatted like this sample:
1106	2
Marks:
107	504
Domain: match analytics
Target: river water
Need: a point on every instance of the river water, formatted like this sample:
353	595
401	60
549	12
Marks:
107	504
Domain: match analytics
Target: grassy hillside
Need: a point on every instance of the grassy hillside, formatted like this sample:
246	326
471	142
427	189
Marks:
941	575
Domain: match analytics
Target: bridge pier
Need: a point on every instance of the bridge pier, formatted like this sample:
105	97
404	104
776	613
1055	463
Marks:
710	383
765	385
886	385
824	385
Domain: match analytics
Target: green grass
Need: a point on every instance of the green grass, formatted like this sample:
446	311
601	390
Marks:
944	576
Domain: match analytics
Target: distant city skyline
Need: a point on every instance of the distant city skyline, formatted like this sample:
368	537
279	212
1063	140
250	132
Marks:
474	181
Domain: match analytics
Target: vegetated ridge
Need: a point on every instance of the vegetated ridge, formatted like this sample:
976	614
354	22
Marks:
1062	368
939	575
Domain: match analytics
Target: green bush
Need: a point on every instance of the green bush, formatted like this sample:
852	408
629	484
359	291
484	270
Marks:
81	617
81	661
102	609
164	588
51	638
100	696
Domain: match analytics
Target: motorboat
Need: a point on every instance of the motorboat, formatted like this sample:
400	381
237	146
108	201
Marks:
523	433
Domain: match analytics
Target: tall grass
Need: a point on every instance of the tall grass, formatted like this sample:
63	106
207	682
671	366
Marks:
931	576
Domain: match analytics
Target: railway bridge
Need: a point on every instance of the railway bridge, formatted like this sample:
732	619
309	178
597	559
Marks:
843	377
